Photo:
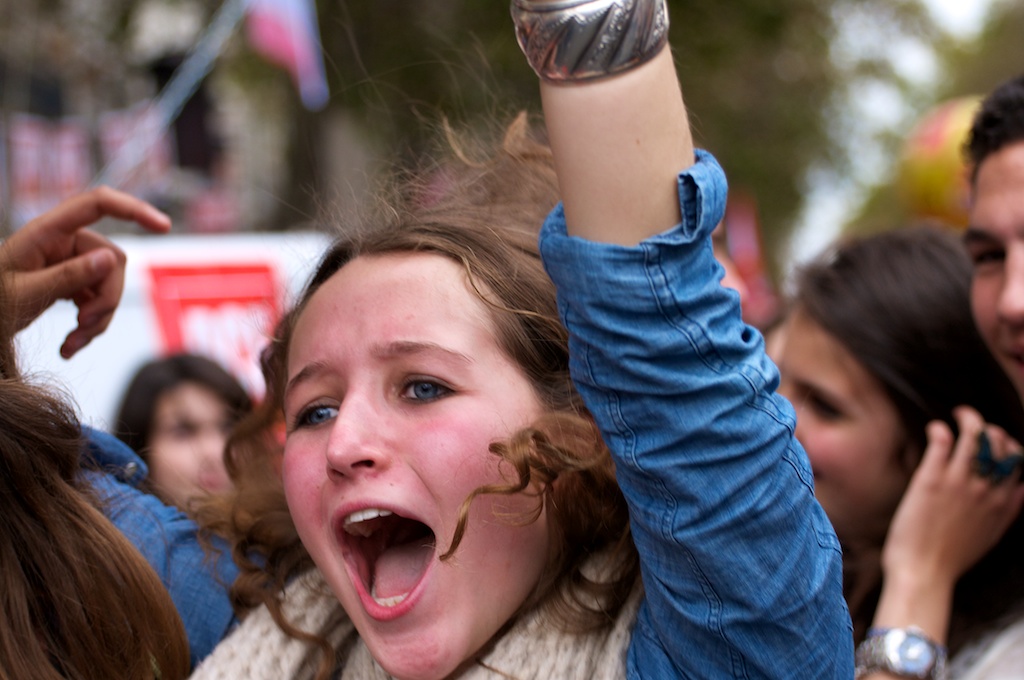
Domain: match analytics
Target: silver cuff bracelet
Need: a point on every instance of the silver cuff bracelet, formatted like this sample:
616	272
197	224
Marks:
576	40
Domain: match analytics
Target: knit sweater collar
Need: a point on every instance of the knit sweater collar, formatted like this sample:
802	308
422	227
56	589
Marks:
531	648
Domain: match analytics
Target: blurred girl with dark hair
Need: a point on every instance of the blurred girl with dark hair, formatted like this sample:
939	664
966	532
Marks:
177	413
912	429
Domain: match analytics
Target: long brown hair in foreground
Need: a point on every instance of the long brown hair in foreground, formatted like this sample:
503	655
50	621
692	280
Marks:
483	215
79	601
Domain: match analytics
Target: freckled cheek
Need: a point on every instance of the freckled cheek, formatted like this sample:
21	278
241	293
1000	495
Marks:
303	474
467	454
454	461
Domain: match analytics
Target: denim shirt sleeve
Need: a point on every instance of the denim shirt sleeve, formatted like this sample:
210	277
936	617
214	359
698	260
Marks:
169	540
741	569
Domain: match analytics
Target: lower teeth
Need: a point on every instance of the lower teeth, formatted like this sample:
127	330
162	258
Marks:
388	601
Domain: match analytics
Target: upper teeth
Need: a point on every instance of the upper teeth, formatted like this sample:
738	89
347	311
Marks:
354	522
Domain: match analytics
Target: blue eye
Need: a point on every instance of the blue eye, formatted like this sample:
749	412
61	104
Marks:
425	390
315	415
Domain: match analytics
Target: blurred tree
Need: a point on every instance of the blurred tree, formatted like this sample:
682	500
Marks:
55	55
767	81
763	80
966	68
997	54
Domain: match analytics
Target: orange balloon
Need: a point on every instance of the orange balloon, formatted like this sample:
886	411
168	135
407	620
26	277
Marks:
933	174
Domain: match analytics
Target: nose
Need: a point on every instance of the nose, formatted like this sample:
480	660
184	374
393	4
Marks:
355	445
1011	297
211	444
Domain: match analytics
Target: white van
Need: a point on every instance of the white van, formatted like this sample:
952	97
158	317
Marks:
216	295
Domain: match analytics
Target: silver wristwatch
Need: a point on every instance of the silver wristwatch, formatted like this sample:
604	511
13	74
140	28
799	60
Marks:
905	652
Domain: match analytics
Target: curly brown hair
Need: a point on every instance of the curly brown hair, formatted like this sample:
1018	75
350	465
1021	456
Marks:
484	215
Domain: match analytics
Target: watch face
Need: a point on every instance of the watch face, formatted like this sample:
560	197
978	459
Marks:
909	653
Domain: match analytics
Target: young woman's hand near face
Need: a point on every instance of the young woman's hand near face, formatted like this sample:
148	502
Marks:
950	516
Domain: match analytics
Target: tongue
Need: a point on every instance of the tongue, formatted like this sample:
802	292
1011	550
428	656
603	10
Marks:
399	568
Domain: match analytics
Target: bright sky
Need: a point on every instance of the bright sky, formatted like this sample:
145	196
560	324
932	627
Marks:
962	17
829	204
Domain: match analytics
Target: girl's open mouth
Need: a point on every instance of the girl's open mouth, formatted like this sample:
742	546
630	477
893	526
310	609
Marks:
391	553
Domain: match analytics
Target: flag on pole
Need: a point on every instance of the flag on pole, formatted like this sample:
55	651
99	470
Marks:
151	126
285	32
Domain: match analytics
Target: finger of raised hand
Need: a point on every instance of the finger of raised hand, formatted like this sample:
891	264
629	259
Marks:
46	238
970	438
93	205
33	291
96	305
985	451
98	300
939	450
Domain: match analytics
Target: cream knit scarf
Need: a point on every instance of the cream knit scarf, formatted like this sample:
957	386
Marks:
532	648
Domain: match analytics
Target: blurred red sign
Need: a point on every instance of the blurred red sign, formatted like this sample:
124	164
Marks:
223	311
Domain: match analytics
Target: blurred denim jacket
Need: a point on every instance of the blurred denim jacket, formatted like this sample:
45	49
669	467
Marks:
198	582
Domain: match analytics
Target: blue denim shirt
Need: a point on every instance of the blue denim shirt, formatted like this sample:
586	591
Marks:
198	582
741	568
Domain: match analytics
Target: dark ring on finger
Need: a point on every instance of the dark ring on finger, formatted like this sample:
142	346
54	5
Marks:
983	463
1004	469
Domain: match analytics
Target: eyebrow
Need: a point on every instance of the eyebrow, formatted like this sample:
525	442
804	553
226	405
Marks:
412	348
391	350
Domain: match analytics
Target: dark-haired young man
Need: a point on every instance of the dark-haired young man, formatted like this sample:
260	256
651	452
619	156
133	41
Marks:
995	238
995	242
